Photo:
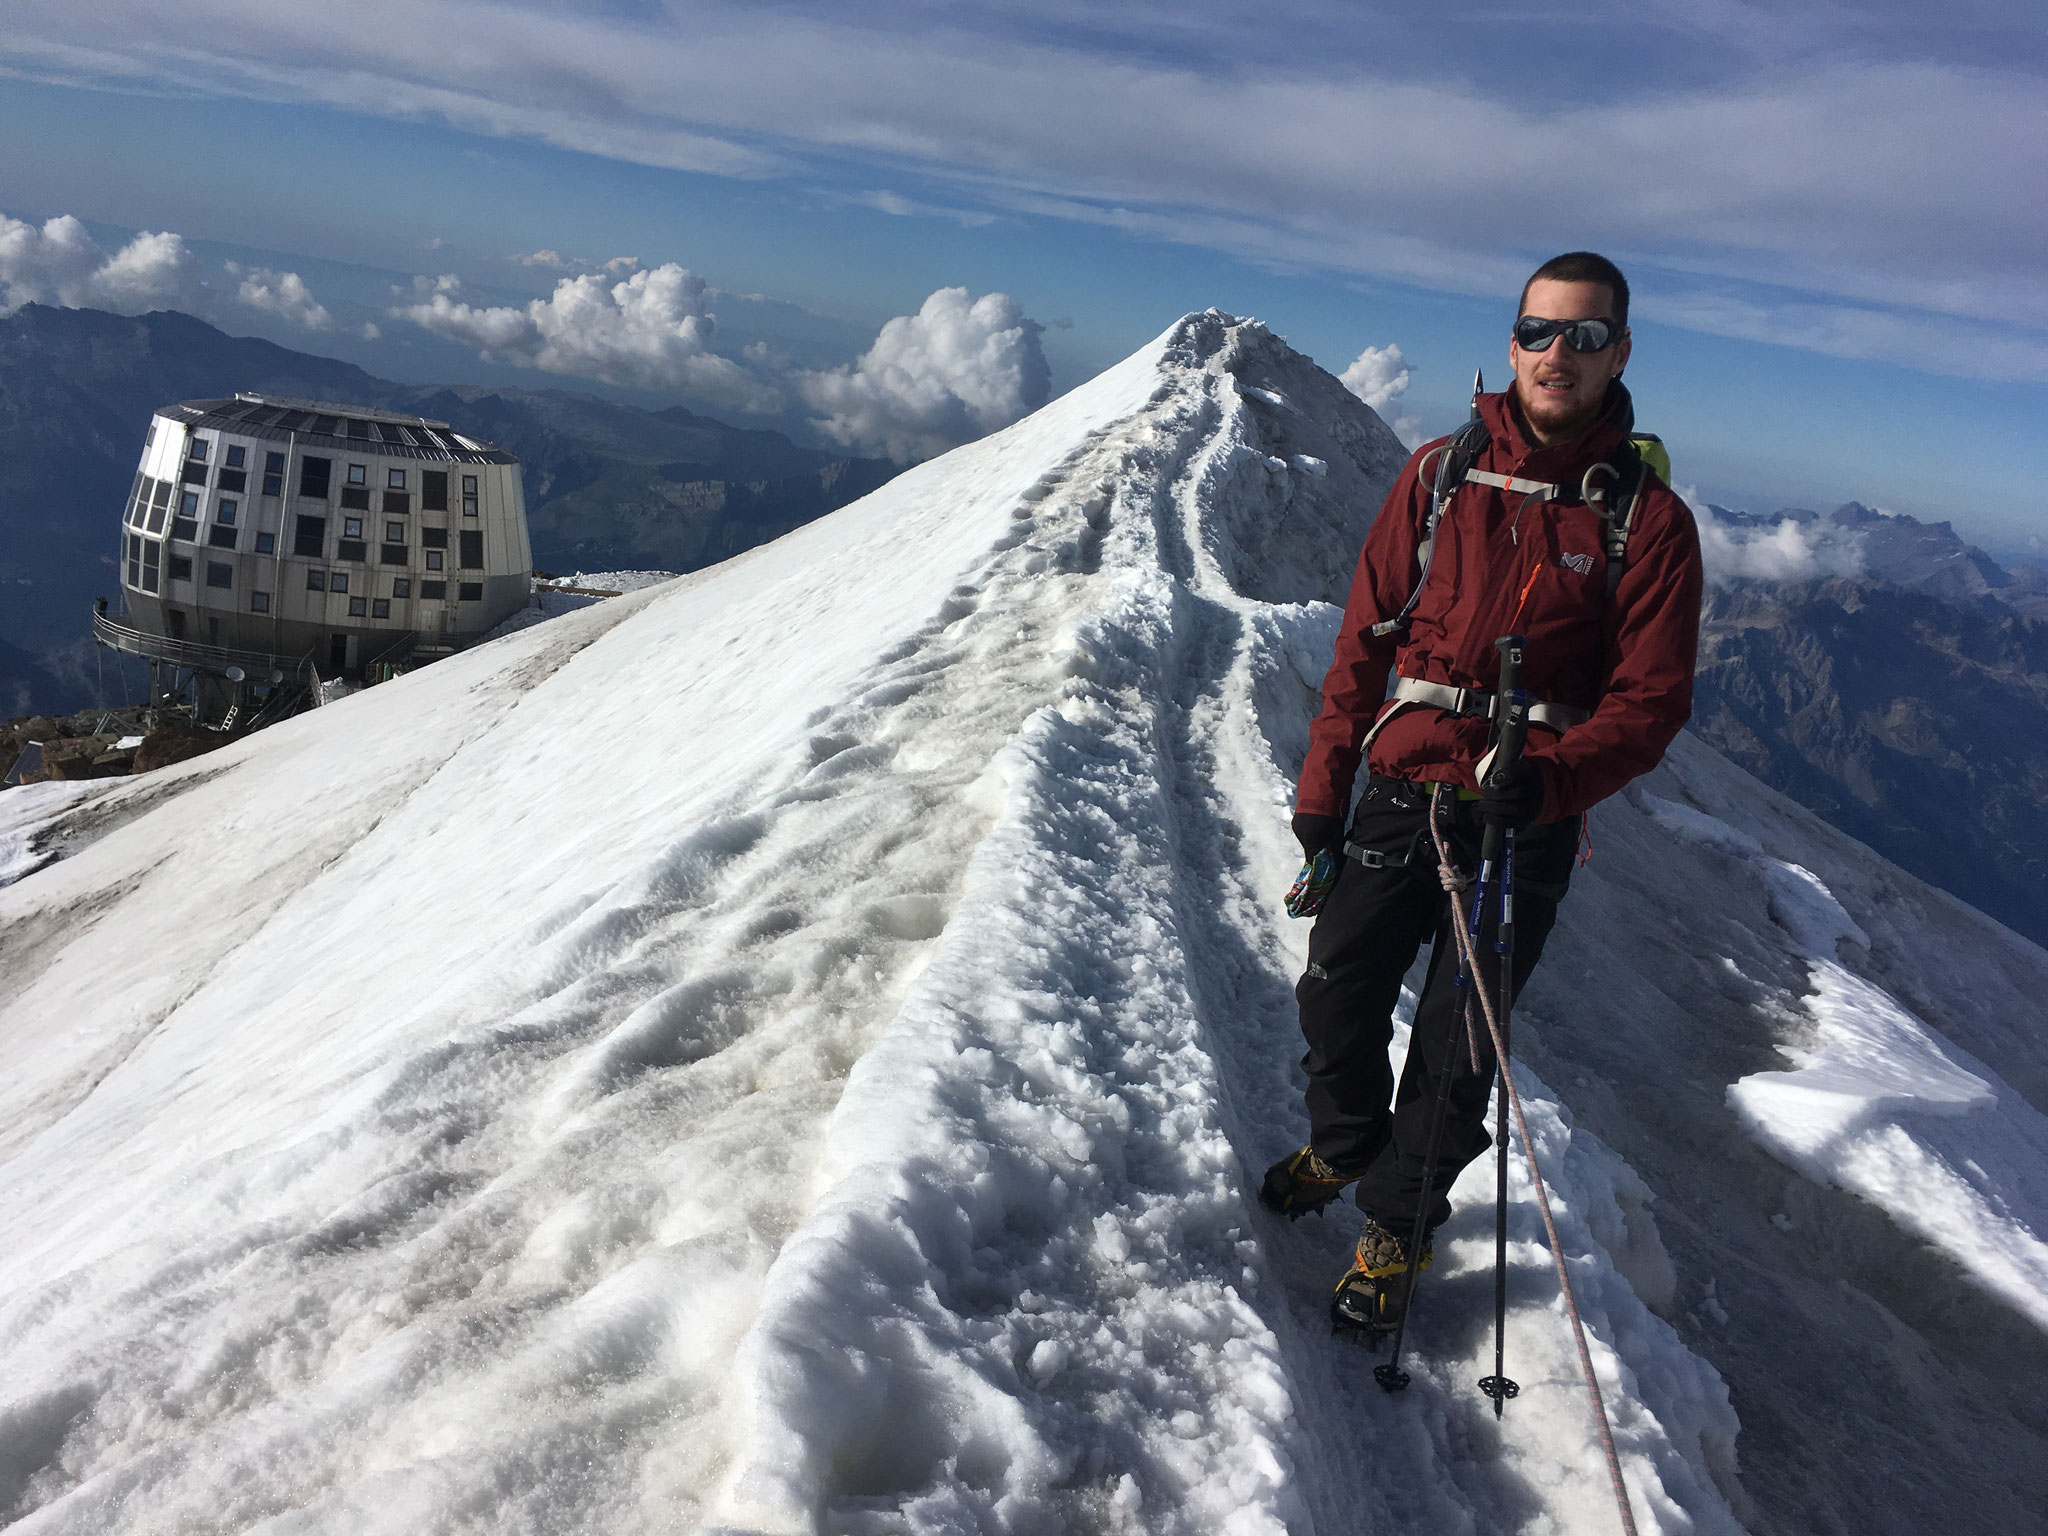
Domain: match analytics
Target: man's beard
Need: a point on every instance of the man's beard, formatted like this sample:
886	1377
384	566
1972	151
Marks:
1564	428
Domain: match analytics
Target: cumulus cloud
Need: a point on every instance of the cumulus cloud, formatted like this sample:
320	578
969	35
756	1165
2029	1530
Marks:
652	331
1379	376
955	370
543	259
1783	550
283	294
61	264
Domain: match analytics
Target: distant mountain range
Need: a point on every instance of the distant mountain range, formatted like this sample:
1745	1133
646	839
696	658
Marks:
608	486
1906	701
1900	551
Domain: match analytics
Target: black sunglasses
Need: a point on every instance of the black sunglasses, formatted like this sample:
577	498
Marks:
1534	334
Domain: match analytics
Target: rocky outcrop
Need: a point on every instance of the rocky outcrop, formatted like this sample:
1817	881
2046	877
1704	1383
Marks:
80	746
77	757
179	743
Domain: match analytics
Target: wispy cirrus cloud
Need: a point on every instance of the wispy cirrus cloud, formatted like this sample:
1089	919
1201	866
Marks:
897	205
1830	166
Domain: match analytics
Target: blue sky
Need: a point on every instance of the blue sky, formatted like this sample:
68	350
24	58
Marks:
1832	215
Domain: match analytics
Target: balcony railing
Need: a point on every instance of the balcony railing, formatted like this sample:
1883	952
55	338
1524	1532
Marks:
257	666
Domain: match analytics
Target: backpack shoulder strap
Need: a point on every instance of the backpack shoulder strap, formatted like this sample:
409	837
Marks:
1618	506
1454	459
1459	453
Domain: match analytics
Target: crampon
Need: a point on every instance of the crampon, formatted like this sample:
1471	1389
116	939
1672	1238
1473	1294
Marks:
1369	1299
1302	1183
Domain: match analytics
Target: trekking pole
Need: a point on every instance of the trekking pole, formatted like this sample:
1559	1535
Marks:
1602	1428
1500	1386
1512	709
1390	1375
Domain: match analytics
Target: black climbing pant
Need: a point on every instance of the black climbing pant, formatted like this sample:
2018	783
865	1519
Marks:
1368	934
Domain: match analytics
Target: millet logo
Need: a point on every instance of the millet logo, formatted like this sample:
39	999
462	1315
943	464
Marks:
1583	564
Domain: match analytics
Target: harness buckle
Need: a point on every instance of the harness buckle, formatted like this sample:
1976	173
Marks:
1372	858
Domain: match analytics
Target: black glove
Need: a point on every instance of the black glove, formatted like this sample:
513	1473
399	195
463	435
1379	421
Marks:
1316	833
1513	796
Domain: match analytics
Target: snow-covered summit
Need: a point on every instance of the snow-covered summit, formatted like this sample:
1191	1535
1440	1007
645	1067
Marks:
779	1051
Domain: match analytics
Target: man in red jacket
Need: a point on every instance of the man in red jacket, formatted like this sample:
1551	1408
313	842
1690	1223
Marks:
1521	546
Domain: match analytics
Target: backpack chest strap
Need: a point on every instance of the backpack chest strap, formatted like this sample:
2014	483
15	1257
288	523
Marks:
1538	488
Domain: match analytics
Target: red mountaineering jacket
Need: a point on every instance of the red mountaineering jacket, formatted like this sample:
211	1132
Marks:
1505	563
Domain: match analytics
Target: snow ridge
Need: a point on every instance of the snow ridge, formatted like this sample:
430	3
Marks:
1040	1193
1038	1298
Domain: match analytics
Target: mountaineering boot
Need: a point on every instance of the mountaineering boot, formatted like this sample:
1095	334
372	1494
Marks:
1300	1183
1370	1296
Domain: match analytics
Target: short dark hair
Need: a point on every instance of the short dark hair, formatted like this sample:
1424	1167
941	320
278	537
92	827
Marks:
1582	267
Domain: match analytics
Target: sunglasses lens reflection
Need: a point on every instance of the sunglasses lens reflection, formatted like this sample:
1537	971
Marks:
1535	334
1588	335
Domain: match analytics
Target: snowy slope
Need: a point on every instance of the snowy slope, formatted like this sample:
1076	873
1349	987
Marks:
780	1051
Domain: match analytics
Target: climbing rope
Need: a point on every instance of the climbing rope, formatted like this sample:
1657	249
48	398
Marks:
1456	882
1453	882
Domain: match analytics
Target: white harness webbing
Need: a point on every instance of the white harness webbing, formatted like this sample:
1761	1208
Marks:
1467	701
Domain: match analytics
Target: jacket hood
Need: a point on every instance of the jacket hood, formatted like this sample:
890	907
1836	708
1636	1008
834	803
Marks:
1560	463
